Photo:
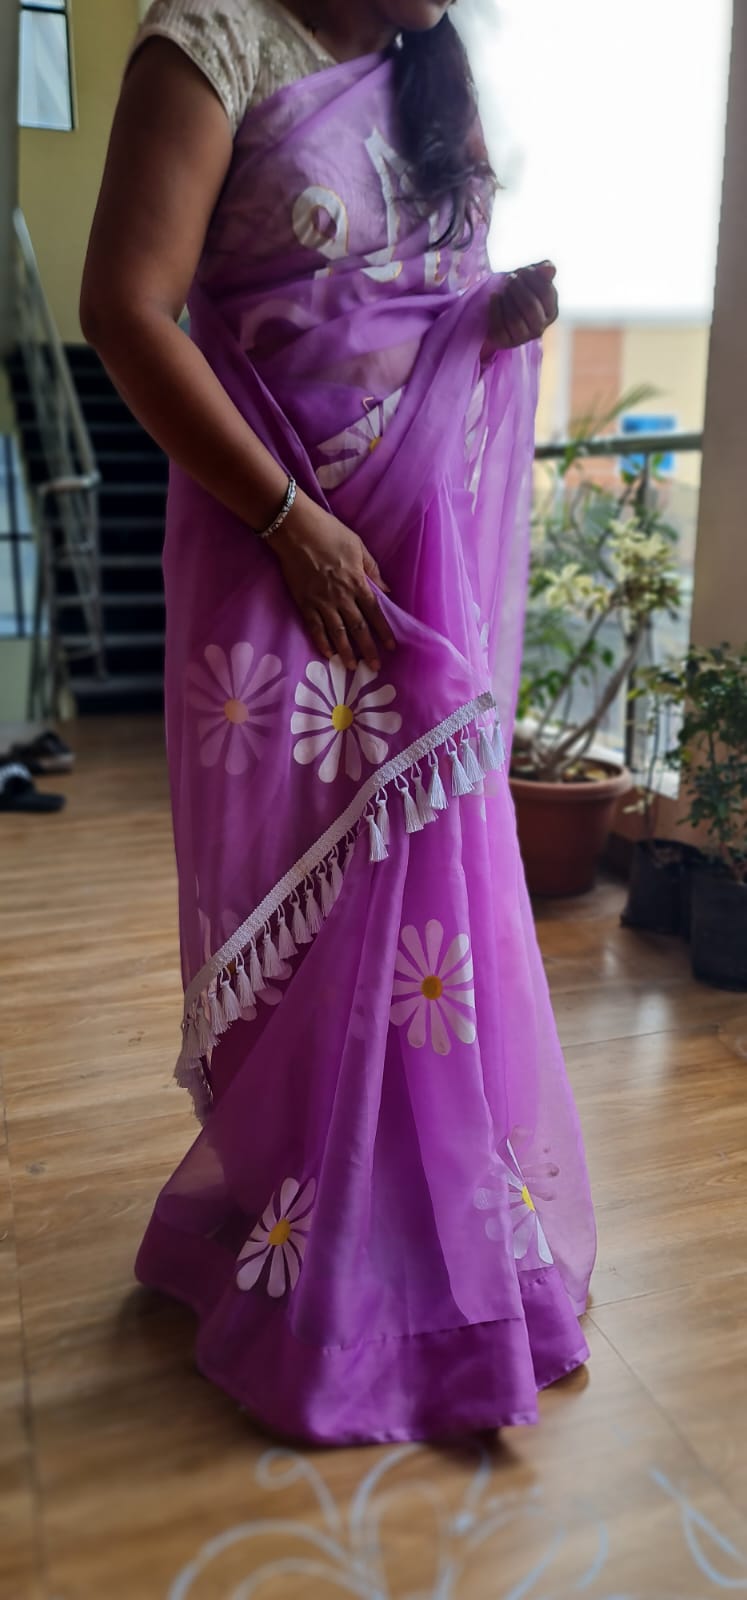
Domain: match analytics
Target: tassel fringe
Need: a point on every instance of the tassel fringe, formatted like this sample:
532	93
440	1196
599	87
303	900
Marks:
488	757
460	784
300	931
413	821
229	1004
286	943
426	812
314	918
377	850
436	791
256	977
271	963
300	916
470	763
244	991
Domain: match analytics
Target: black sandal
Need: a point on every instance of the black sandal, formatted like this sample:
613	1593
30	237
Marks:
18	791
45	755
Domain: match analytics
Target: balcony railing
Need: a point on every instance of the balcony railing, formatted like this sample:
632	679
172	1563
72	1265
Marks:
676	499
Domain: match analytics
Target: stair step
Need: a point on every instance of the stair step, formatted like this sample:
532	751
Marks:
127	432
118	695
146	467
107	407
128	680
122	563
128	617
83	357
137	598
118	641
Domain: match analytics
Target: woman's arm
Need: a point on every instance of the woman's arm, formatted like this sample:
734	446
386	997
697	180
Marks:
168	159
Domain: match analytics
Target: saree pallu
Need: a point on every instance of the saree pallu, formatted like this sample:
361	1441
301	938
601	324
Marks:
385	1226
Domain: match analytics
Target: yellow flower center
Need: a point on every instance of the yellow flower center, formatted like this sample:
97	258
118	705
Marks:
281	1232
342	717
235	711
374	445
432	988
527	1198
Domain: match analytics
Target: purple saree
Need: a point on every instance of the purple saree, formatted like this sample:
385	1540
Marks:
385	1226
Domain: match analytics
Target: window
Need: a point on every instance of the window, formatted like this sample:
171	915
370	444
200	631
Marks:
45	91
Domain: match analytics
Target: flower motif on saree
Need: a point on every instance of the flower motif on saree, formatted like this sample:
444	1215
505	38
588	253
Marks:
433	992
237	698
340	714
350	447
280	1237
528	1233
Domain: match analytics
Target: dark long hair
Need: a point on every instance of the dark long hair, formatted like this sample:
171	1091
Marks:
437	109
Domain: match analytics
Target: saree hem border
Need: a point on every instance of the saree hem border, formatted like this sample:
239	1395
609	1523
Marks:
204	1020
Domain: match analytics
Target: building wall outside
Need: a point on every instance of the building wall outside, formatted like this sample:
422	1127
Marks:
60	173
675	361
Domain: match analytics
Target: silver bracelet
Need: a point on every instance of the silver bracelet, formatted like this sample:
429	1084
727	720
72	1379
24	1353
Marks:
285	510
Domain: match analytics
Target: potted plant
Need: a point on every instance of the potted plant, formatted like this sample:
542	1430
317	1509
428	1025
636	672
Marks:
709	685
602	567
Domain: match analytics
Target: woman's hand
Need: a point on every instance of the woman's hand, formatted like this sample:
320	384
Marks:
523	310
329	573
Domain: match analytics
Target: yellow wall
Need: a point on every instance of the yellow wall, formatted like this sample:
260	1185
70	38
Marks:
60	172
674	360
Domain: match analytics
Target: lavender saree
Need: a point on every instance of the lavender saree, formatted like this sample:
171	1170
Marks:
384	1226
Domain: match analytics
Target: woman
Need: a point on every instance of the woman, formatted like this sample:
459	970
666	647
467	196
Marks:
384	1227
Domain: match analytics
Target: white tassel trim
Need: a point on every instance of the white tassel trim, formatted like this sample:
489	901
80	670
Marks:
300	931
256	976
460	784
470	762
436	791
382	816
489	760
425	809
377	850
286	942
314	918
272	966
291	916
413	821
244	991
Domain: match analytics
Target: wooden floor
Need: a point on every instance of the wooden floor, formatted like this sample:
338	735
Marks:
124	1476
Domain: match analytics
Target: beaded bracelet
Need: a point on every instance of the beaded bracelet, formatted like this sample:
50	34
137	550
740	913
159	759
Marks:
285	510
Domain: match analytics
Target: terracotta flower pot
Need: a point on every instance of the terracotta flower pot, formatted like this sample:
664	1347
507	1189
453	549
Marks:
564	827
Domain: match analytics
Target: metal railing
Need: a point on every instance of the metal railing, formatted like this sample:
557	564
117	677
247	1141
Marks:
646	448
67	501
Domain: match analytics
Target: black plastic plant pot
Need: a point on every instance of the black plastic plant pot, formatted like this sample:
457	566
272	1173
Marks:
692	860
656	896
719	928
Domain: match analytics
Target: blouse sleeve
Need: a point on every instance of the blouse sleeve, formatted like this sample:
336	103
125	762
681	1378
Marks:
220	41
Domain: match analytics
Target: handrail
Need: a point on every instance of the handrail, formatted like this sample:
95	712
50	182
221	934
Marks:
67	501
622	444
56	350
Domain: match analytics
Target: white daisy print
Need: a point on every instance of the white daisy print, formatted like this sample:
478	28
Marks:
353	444
528	1233
433	992
237	698
280	1237
341	715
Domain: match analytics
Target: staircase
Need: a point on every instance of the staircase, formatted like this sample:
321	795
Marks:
132	501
